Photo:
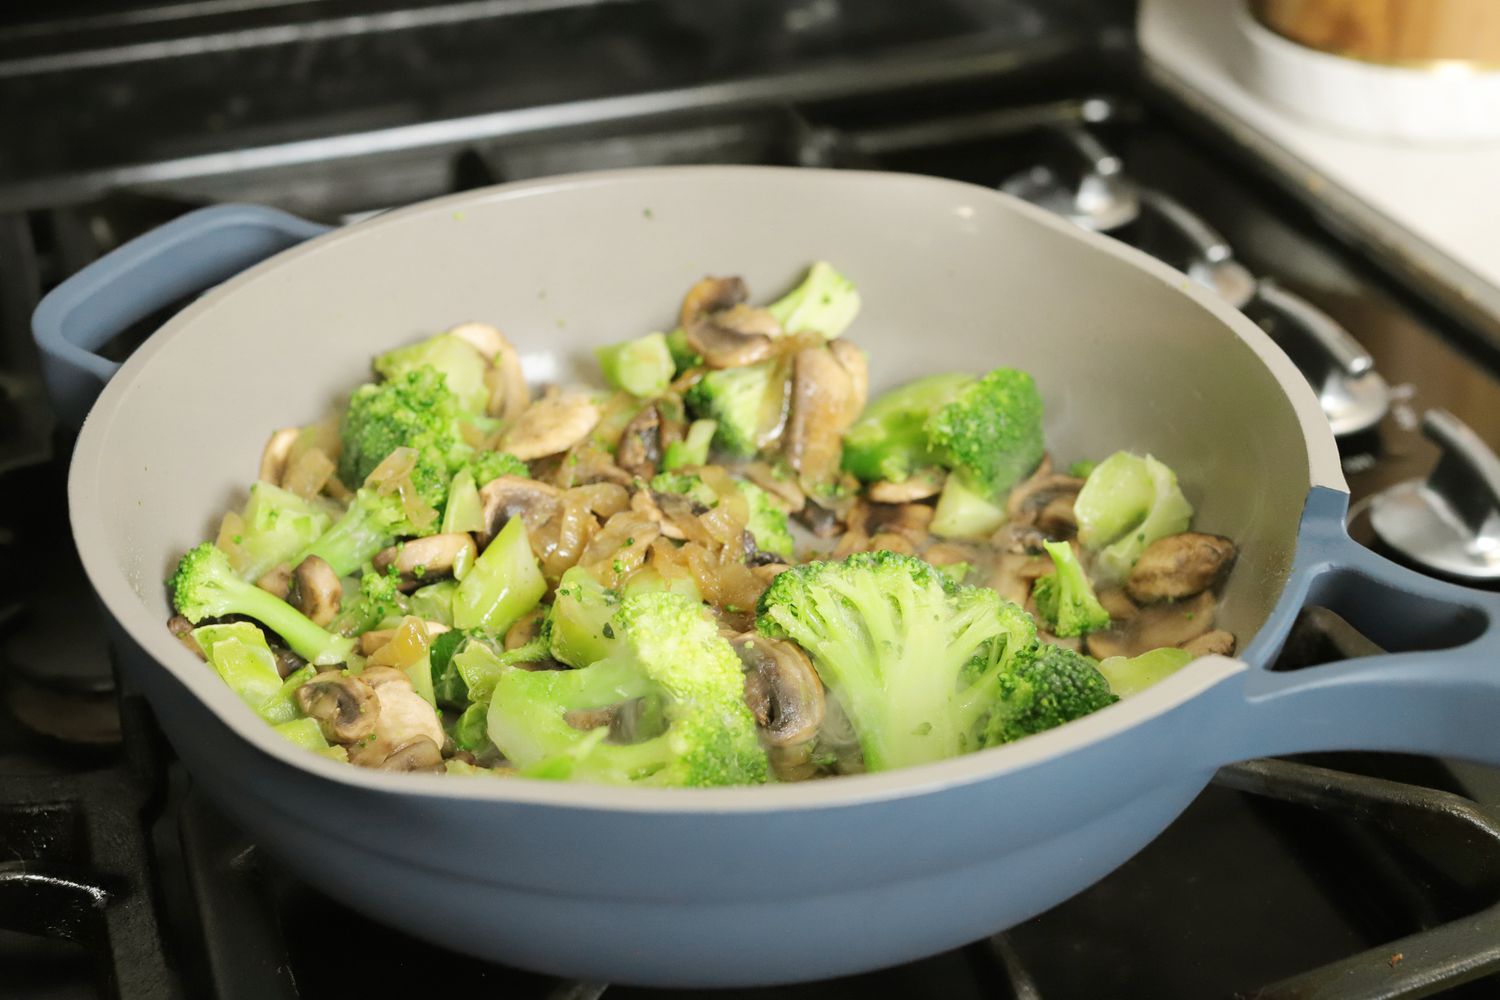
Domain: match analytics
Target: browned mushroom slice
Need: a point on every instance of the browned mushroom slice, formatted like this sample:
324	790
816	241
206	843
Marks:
513	496
1179	566
526	628
1044	491
1215	643
783	487
748	321
640	448
1170	624
274	458
485	339
854	362
315	590
1020	539
820	413
711	295
1119	605
590	718
183	630
277	581
420	561
550	425
403	716
722	347
920	485
1014	574
782	689
345	707
1102	645
419	753
908	520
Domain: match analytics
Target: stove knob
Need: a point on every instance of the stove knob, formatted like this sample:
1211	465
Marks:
1450	522
1101	198
1351	392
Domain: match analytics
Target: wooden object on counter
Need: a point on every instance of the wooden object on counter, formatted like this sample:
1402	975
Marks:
1402	32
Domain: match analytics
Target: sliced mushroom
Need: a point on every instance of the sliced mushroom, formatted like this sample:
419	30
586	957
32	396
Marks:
711	295
821	521
287	662
403	716
1215	643
1179	566
1014	574
316	590
1102	645
769	571
781	486
1045	492
419	561
1119	605
920	485
345	707
908	520
533	501
1169	624
646	502
485	339
526	628
781	688
950	554
857	366
277	581
821	411
640	448
549	426
417	754
274	457
183	630
590	718
724	347
1019	539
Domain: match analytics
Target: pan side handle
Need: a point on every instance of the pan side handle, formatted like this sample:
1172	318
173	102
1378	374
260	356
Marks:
183	257
1438	693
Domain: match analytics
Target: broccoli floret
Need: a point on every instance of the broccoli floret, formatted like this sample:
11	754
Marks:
487	466
642	367
379	599
458	361
991	434
683	355
825	302
913	658
664	650
736	398
1065	598
1127	503
1042	691
768	522
693	448
413	410
687	483
889	441
205	586
1130	676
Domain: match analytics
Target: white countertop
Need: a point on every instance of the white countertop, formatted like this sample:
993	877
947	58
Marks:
1423	202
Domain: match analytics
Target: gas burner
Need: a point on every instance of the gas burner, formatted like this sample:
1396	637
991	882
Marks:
1101	197
1448	523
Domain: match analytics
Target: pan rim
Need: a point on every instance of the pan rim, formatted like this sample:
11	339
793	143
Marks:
122	602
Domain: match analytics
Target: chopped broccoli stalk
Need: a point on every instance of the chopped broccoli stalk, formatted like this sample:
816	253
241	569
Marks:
503	585
305	733
825	302
373	521
683	355
962	513
448	686
737	399
768	522
693	448
1064	597
204	586
434	602
464	510
378	601
240	656
991	433
1054	686
688	483
458	361
1131	676
278	525
667	650
468	730
648	581
479	666
580	619
889	441
642	367
1125	505
914	659
1082	468
487	466
282	706
420	675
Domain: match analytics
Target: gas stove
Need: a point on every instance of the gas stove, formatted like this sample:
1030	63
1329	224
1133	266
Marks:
1369	876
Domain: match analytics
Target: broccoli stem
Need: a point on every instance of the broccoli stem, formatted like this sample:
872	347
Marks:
642	367
366	527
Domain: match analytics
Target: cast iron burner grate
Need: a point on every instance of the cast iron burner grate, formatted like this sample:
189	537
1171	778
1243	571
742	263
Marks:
128	863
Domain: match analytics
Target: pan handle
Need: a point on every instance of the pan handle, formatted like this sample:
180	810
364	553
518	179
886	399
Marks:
186	256
1440	696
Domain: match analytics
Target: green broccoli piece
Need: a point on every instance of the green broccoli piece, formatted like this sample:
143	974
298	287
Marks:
487	466
642	367
736	398
688	483
278	525
205	586
413	410
458	361
692	449
1127	503
373	521
579	621
1065	598
1043	691
478	666
664	649
1082	468
379	599
683	355
825	302
448	686
991	434
914	659
468	730
1131	676
768	522
963	513
889	441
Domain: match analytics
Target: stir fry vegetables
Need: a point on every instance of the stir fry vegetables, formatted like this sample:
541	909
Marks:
724	565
